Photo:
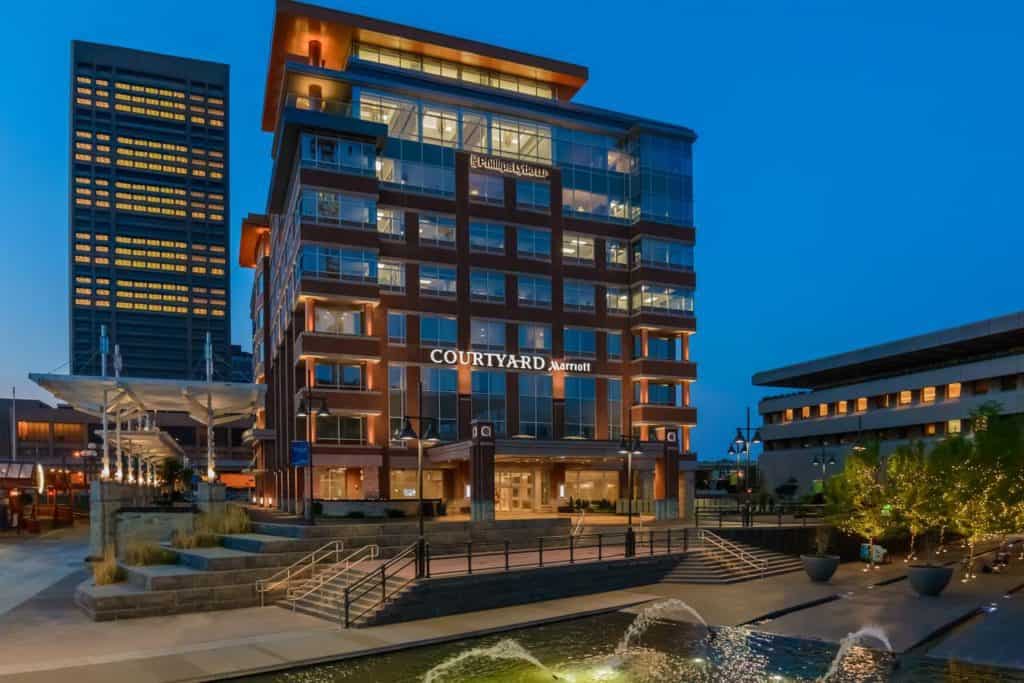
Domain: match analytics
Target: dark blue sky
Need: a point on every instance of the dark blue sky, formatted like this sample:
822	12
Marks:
857	173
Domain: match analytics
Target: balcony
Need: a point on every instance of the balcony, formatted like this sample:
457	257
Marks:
337	347
649	414
654	368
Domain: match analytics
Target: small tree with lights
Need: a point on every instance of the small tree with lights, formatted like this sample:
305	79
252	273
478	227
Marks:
856	500
914	492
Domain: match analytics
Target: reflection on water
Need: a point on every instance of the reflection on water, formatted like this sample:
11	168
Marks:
584	651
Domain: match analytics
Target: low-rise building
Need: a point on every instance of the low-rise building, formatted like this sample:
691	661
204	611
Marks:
919	388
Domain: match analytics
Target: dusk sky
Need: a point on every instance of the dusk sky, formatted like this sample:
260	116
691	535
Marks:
855	171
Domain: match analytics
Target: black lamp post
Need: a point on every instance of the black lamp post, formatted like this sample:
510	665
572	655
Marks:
822	462
629	449
745	438
427	436
305	410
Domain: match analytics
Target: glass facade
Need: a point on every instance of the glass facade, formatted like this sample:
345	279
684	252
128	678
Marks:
488	398
535	412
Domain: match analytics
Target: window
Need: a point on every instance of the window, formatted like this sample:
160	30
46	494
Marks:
533	195
354	265
905	397
486	188
399	115
391	223
615	254
663	394
391	276
805	412
441	400
953	390
338	208
487	237
616	300
534	291
396	328
594	484
438	330
578	296
533	243
417	176
487	285
614	409
337	320
488	398
396	400
437	230
613	345
862	404
579	407
534	338
440	126
954	427
580	343
577	248
339	376
656	253
33	431
842	407
404	483
341	429
788	415
334	154
663	299
658	348
535	405
487	335
822	410
928	395
437	281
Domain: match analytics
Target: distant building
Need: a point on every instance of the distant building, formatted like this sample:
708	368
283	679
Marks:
918	388
148	212
241	364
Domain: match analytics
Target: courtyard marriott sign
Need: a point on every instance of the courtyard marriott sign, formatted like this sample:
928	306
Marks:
510	167
506	361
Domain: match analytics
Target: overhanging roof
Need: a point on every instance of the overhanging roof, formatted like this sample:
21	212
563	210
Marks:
150	444
993	336
136	395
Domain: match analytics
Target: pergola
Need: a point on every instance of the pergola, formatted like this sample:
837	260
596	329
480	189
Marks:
133	404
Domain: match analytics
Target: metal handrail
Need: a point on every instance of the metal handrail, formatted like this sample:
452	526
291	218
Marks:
730	548
366	553
309	562
396	564
577	528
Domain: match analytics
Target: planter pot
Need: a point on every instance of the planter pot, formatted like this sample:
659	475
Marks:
929	580
820	567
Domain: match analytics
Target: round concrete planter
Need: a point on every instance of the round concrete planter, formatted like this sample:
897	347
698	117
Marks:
820	567
929	580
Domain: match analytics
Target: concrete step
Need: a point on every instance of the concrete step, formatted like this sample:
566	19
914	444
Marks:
220	558
178	576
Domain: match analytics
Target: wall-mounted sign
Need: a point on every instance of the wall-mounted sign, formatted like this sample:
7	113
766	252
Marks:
519	169
506	361
300	454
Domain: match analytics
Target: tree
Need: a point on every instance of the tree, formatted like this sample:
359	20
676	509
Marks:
856	499
914	492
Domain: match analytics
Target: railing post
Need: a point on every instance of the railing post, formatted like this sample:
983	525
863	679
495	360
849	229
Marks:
720	512
780	516
599	548
347	602
696	517
540	551
383	584
650	540
686	539
506	554
469	557
668	541
803	517
572	551
426	564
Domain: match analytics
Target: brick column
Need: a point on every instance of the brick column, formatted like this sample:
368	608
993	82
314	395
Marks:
481	472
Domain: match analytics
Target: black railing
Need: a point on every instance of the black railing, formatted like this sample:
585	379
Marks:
795	514
368	584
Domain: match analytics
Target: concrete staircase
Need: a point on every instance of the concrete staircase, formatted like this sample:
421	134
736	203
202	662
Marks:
709	563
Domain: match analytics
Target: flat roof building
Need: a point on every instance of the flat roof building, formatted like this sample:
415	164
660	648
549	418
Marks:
918	388
448	234
148	212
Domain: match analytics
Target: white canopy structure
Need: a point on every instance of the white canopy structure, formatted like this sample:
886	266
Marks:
134	402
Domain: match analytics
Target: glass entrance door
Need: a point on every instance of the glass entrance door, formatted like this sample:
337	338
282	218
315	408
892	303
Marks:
515	491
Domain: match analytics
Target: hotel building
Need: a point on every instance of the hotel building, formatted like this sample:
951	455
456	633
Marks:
450	236
148	212
915	389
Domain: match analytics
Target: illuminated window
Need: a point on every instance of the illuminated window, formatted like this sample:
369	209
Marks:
842	407
805	412
862	405
905	397
929	429
953	390
822	410
927	394
954	427
788	415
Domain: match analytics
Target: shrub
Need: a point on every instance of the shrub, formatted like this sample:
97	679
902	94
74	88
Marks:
196	539
393	513
234	520
148	554
107	571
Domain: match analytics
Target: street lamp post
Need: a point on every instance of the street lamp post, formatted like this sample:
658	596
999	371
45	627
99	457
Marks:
629	449
745	438
822	462
306	411
427	436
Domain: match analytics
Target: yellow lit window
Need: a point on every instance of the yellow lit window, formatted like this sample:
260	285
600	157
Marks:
954	427
83	134
953	390
929	429
102	260
927	394
103	303
905	397
83	79
842	407
822	410
788	415
83	290
83	157
805	412
82	279
83	302
862	405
